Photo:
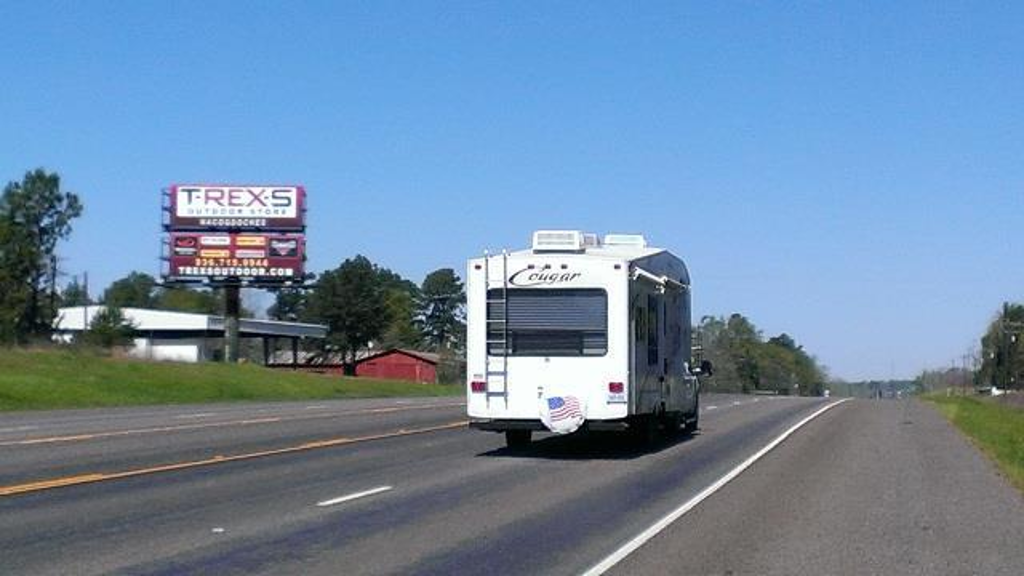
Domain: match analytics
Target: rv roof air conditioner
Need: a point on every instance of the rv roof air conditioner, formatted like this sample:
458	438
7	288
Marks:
559	241
635	240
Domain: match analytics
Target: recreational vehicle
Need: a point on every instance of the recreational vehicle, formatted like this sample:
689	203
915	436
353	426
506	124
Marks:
577	332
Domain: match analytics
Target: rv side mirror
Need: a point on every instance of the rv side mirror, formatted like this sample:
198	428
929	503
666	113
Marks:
707	368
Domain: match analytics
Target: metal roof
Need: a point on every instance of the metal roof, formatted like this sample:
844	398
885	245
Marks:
77	318
428	357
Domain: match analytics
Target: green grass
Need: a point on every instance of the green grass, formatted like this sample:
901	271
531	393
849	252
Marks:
45	379
997	429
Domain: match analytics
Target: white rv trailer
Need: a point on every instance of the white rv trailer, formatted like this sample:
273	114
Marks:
603	325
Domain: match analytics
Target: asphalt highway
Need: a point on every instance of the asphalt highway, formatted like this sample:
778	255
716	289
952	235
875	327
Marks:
401	486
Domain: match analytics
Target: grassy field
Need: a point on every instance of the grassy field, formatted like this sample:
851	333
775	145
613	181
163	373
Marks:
43	379
997	429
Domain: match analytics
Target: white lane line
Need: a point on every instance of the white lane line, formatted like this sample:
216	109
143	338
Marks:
737	403
711	408
362	494
197	415
315	407
642	538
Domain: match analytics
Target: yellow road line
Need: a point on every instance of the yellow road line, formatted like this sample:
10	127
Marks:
199	426
218	459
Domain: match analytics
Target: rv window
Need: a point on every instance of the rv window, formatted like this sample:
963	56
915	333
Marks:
548	322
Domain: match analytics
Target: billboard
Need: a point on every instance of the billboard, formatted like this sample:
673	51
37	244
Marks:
231	207
257	257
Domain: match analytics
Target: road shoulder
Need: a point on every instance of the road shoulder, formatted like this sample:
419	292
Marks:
868	488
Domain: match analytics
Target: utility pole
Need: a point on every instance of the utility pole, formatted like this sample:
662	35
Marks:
53	284
85	305
965	372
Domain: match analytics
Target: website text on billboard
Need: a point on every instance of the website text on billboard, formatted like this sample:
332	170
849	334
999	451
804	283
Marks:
228	207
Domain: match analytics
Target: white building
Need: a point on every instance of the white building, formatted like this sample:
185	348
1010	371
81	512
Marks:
184	336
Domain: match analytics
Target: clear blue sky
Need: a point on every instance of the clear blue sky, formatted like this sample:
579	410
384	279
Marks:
851	175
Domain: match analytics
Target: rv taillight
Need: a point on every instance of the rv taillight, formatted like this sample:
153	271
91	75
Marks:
478	386
616	387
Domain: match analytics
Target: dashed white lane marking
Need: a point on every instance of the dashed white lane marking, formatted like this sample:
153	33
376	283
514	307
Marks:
631	546
349	497
18	429
315	407
711	408
737	403
197	415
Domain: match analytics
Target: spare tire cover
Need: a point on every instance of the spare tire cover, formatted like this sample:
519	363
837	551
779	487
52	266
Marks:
562	413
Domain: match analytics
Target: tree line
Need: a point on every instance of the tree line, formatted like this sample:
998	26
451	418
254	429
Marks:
359	301
744	361
1001	362
997	361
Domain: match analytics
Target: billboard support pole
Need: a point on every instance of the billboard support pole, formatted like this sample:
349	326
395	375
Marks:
232	307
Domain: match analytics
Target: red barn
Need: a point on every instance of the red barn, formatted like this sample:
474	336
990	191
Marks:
399	364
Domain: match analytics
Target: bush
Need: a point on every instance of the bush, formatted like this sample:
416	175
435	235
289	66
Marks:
109	329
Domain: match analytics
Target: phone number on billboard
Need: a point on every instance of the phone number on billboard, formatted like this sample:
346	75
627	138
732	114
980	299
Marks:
242	272
231	263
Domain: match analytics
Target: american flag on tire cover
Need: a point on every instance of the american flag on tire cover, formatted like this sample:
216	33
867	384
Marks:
563	408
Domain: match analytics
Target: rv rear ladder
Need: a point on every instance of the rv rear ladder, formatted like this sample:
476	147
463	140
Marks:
496	331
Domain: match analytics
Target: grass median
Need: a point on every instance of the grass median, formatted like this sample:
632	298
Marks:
995	428
50	379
